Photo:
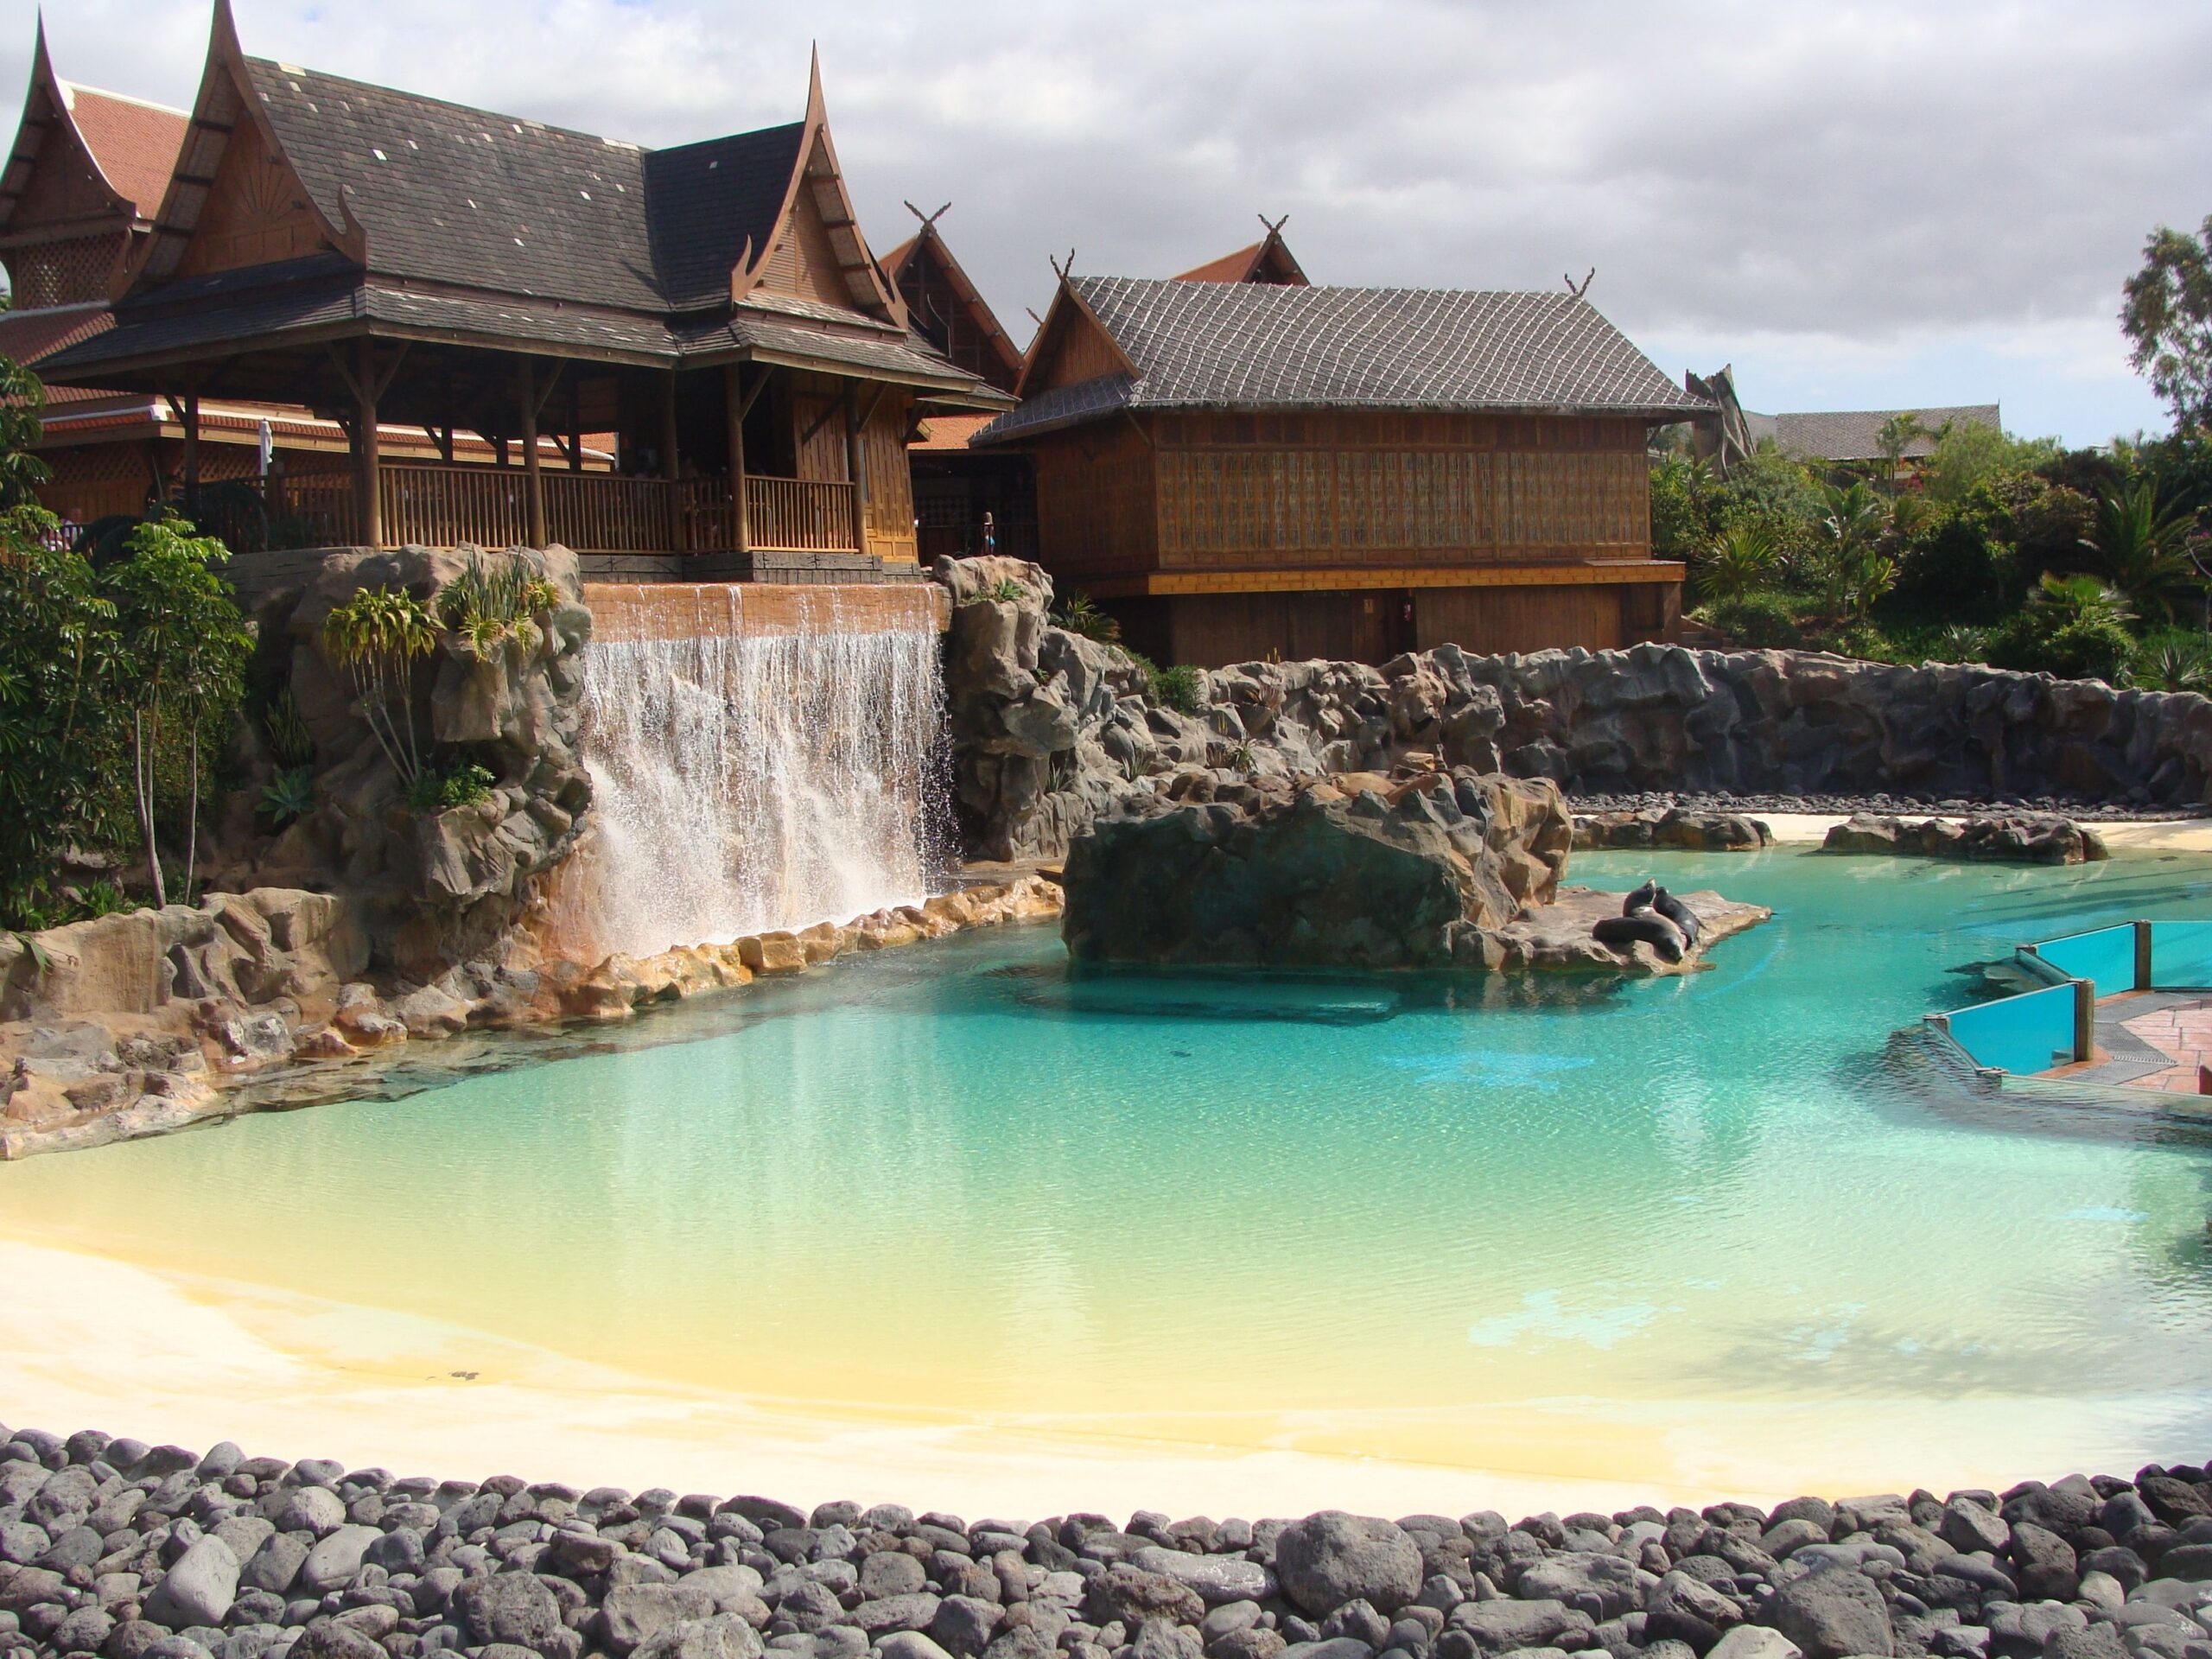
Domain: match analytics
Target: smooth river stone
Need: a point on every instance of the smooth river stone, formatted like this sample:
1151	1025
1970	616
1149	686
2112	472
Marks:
1217	1579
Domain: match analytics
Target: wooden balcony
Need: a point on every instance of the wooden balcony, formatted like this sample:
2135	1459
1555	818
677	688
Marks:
587	513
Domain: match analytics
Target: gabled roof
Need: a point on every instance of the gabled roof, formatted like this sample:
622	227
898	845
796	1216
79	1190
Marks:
1262	346
1856	434
134	142
1267	260
131	145
714	204
925	259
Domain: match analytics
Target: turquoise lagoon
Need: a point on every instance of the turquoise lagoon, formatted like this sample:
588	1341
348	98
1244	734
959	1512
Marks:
1710	1223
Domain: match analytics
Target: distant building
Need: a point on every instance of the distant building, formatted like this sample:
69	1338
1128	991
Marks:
1727	431
1241	469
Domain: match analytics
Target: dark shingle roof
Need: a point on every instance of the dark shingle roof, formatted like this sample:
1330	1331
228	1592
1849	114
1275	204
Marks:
448	194
1855	433
707	200
1256	347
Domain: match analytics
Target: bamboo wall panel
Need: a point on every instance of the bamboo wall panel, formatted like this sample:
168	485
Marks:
1272	507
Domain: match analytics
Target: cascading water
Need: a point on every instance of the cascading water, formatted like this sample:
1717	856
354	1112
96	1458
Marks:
759	759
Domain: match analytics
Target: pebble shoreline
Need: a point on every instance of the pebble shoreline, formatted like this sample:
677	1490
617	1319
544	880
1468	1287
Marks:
115	1548
2081	811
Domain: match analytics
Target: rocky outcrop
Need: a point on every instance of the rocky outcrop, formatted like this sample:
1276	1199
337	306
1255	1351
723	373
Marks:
2006	840
1564	936
1352	871
1086	737
1682	829
434	887
137	1552
136	1025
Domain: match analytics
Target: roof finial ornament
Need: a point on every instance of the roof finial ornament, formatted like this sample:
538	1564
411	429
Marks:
1274	225
1576	290
1060	268
929	220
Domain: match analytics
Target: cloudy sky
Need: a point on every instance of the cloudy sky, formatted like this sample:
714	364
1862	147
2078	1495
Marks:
1859	205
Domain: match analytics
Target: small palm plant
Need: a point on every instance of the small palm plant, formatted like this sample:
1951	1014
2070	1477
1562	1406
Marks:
1742	560
487	605
376	637
2142	548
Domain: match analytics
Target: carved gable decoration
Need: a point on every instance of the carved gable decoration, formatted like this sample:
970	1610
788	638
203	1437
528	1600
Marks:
256	211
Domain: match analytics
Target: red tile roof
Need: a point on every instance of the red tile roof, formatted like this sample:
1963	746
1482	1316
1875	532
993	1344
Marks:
135	144
944	432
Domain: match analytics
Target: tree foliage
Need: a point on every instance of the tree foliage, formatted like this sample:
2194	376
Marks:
2167	315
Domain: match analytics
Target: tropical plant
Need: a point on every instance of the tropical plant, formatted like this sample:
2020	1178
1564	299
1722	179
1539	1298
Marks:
22	405
1078	614
289	796
2170	666
1960	643
102	898
1967	454
463	783
1898	434
376	637
1006	591
2141	549
1760	622
2167	316
286	728
184	648
2073	626
486	606
1852	572
1741	561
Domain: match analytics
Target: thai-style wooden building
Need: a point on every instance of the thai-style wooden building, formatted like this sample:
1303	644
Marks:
86	175
1241	469
1267	260
392	260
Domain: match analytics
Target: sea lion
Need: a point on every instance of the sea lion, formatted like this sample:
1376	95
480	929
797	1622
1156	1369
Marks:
1679	913
1641	927
1642	899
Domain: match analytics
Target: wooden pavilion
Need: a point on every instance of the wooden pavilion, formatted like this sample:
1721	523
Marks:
387	259
1236	469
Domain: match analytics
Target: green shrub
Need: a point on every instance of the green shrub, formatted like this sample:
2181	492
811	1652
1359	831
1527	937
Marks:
2173	660
1743	560
1006	591
102	898
1177	688
286	728
463	783
2073	626
1761	621
488	605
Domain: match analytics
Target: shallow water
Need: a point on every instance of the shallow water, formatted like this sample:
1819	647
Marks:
1343	1215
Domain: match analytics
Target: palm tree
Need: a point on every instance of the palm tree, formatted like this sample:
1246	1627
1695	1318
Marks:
1855	573
2068	600
1742	560
2143	550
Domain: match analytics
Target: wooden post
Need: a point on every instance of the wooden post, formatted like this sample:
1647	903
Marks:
2085	1018
534	483
576	425
368	503
678	531
733	398
856	467
2142	956
192	449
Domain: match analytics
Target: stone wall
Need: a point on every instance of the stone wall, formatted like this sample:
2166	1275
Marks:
1050	729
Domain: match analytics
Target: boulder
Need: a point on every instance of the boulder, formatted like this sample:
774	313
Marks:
1835	1611
198	1589
1332	1558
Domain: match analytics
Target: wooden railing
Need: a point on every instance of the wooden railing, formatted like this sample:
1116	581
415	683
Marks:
441	506
600	512
589	512
799	515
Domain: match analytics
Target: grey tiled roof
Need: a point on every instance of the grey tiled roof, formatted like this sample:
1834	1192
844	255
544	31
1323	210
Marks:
1855	433
1258	346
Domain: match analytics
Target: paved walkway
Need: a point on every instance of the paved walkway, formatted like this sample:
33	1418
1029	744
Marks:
2149	1040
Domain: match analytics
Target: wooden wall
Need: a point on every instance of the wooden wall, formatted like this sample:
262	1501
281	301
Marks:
1096	510
883	453
256	210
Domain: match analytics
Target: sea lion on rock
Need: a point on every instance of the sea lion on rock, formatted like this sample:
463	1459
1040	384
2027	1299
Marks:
1641	927
1642	899
1679	913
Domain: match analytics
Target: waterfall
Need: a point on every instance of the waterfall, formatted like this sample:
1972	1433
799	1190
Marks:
761	757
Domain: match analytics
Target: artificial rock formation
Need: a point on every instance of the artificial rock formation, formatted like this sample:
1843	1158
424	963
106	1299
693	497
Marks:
434	888
2008	839
1051	730
1682	829
1360	871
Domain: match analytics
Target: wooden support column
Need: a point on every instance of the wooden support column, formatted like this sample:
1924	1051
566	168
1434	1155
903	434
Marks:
534	483
367	446
737	403
856	467
576	426
2143	968
2085	1020
679	530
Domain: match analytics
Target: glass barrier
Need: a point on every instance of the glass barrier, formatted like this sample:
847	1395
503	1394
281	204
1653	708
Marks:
2181	955
2108	956
2026	1033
